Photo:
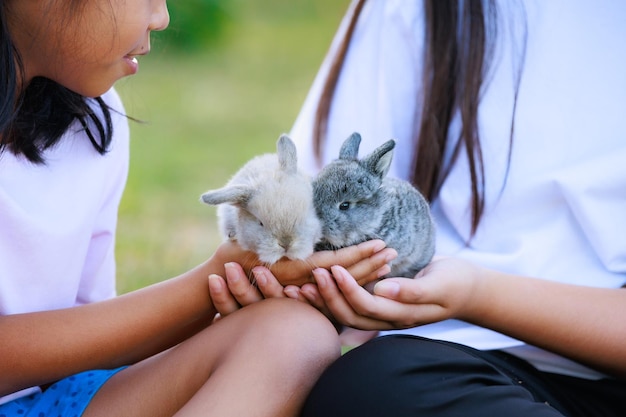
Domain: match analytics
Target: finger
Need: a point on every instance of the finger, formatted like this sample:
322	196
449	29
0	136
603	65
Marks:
398	314
427	289
373	267
313	296
267	283
239	285
331	298
293	292
388	288
347	256
355	295
298	272
311	292
424	299
339	307
222	299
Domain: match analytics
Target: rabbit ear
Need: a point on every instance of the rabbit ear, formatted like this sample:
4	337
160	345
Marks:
236	195
379	160
287	154
350	148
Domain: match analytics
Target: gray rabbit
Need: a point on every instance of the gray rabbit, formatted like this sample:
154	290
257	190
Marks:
355	202
267	206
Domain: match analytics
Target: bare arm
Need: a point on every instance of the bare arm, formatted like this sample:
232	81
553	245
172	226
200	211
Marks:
38	348
582	323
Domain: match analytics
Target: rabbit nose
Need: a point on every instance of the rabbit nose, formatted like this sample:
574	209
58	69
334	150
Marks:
285	244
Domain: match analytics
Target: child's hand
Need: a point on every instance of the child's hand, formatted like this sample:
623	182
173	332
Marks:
229	294
366	262
441	291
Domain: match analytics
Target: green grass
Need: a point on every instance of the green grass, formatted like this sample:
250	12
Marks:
205	114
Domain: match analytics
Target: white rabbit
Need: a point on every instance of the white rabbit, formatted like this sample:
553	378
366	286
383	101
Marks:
356	202
267	206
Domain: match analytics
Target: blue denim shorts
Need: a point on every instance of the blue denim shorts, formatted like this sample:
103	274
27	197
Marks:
66	398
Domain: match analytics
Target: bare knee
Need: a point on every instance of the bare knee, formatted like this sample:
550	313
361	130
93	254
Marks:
294	328
280	330
270	353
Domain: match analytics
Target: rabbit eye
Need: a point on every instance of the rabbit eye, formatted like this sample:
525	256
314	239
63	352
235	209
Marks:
344	206
261	223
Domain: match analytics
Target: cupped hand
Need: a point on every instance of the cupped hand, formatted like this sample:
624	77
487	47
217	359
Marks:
235	290
367	262
440	291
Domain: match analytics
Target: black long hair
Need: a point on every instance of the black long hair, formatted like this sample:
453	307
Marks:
459	38
33	118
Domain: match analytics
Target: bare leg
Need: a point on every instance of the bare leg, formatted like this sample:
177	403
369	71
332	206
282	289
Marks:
260	361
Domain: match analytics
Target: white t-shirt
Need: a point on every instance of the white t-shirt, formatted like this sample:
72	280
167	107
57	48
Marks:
57	221
562	213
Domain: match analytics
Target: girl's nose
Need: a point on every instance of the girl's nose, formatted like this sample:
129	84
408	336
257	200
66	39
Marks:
160	16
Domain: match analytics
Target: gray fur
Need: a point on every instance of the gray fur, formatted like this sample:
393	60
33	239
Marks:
267	206
378	207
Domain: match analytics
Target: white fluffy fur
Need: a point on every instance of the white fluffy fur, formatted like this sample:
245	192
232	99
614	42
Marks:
267	206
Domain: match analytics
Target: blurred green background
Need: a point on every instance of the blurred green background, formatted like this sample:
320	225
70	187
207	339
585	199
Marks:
220	85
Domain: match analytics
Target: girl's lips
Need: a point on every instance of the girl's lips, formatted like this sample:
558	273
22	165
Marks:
131	62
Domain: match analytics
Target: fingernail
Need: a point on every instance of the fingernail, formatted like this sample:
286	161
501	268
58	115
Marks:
338	272
391	255
259	276
291	293
383	271
319	277
377	245
233	275
387	288
310	297
214	283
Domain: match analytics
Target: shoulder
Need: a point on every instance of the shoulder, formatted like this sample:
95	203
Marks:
75	152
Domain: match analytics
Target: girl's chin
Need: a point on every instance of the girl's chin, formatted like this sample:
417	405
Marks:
100	87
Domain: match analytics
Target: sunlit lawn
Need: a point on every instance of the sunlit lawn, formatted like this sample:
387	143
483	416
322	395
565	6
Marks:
204	114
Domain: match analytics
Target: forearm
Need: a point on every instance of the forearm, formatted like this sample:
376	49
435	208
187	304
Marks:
581	323
41	347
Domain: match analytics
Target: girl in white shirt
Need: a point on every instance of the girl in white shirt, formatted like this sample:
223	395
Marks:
508	116
68	345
